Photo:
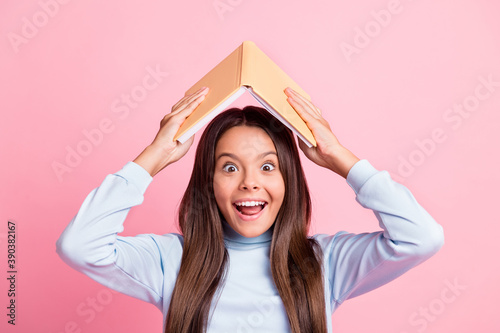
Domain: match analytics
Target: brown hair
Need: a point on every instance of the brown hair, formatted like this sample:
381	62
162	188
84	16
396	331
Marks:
295	258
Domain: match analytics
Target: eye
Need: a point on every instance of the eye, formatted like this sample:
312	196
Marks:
228	167
268	165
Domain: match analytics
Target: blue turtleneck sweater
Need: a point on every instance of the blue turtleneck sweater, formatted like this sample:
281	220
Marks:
146	266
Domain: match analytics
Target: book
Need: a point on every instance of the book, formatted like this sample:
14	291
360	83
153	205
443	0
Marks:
246	69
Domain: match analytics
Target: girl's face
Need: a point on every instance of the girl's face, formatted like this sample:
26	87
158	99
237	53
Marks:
248	184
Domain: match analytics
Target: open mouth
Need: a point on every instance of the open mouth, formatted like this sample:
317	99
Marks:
251	209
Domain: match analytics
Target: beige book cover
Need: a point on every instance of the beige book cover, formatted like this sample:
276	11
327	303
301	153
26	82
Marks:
246	69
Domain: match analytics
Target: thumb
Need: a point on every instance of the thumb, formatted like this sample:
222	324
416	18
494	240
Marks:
303	146
181	149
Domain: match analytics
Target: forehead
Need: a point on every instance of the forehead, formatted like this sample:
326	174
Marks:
244	140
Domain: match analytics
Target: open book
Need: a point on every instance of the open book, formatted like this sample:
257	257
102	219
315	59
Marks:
246	69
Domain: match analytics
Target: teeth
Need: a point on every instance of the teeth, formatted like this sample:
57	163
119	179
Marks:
250	203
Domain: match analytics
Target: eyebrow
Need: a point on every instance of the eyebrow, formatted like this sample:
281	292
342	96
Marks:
236	158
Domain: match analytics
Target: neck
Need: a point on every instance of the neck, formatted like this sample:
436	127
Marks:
235	238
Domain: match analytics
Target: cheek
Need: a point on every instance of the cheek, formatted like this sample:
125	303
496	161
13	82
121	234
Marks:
221	191
217	192
276	187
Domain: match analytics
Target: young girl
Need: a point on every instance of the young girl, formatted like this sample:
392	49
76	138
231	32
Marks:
244	261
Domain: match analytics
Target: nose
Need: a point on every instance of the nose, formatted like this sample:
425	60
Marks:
250	181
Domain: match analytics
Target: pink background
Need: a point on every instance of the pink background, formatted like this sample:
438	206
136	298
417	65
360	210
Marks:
390	101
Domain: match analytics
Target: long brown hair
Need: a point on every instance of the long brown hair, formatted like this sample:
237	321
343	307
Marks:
295	258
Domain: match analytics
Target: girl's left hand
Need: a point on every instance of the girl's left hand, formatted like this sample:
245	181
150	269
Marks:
328	153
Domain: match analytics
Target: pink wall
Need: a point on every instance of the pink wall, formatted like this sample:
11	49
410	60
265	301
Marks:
386	74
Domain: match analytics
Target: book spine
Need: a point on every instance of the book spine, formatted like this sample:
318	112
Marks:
239	69
245	69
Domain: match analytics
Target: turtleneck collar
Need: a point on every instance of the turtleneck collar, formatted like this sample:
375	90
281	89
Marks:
231	235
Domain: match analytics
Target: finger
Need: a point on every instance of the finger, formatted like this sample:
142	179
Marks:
186	110
182	100
309	104
183	111
299	97
306	101
306	107
306	115
189	98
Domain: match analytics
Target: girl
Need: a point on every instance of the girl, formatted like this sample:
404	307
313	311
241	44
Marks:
244	261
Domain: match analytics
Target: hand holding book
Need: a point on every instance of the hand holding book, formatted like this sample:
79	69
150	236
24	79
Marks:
328	153
164	150
246	69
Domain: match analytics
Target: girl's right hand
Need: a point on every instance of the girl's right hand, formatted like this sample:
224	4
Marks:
164	150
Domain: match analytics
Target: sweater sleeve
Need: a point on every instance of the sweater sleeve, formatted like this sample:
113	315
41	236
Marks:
357	263
91	244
